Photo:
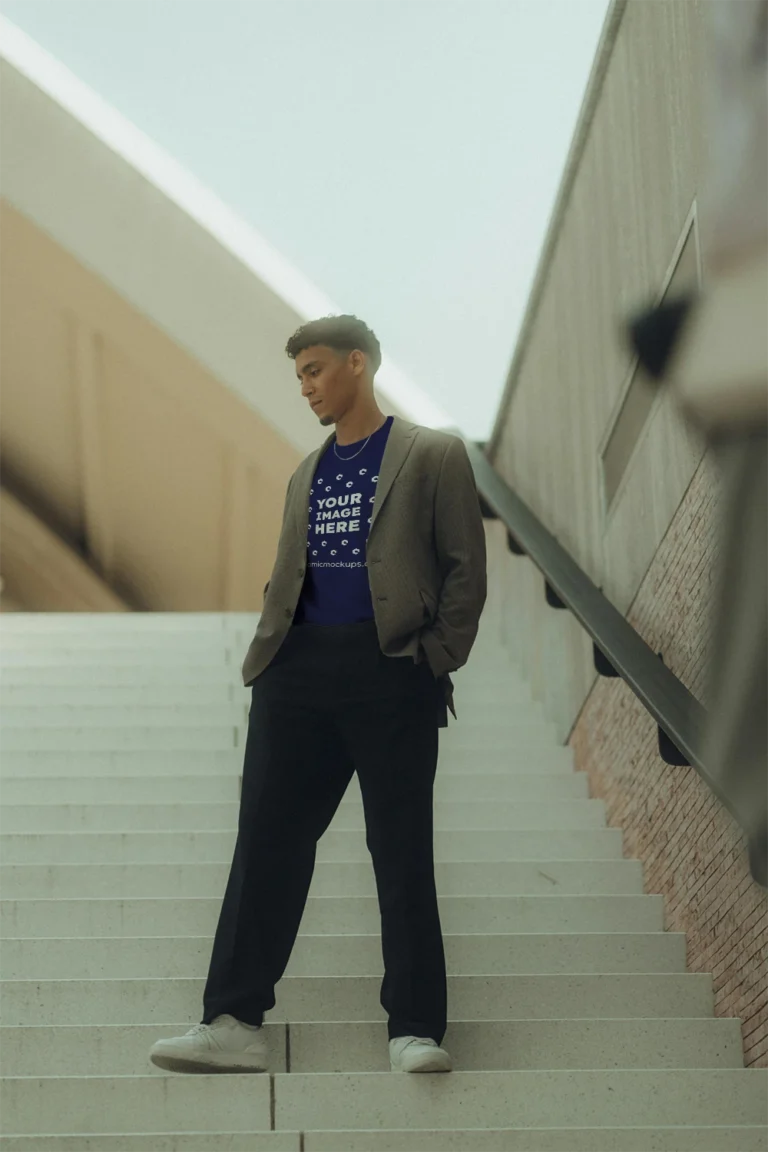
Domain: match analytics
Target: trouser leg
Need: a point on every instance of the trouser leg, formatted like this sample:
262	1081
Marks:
294	776
389	724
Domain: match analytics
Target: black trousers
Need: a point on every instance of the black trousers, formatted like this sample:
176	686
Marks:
331	704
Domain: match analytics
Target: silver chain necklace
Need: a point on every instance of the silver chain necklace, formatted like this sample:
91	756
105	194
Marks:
345	458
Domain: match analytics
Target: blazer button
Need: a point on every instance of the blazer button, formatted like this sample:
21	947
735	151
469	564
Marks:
381	597
288	612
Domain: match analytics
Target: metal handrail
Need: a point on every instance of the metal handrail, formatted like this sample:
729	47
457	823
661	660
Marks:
679	716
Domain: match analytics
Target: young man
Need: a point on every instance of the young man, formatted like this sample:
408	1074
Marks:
374	598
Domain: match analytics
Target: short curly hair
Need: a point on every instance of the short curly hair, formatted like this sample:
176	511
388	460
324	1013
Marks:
342	333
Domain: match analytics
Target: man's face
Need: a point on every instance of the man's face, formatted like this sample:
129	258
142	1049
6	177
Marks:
329	380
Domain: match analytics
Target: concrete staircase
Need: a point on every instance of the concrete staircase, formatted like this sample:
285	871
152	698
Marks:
574	1023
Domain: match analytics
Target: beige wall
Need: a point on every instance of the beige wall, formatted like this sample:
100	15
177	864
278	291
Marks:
41	572
628	204
164	479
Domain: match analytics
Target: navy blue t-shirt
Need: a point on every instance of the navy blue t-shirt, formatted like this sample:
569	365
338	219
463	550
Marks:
336	589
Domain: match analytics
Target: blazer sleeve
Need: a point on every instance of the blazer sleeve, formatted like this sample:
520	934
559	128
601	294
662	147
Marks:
460	545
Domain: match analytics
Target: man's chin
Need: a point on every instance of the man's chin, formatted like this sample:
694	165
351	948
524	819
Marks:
326	421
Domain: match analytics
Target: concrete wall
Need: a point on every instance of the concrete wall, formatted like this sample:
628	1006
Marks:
630	204
625	230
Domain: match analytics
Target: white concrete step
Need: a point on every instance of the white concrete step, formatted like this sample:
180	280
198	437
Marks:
137	957
199	847
14	716
497	1045
528	1099
508	711
136	675
198	916
581	1139
180	739
505	997
168	658
484	1099
480	1100
86	640
88	713
637	1139
109	1050
135	1103
361	1046
480	737
482	878
118	696
510	714
219	788
458	815
159	1142
170	762
85	623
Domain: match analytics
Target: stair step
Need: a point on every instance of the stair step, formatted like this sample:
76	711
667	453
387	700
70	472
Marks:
461	815
514	707
105	1050
466	736
527	1099
518	997
198	916
118	716
136	675
693	1139
134	1103
150	957
482	878
170	847
361	1046
135	623
181	738
639	1139
530	1044
170	762
110	696
221	788
145	644
72	655
159	1142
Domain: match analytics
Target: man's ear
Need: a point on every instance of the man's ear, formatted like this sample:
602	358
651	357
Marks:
357	362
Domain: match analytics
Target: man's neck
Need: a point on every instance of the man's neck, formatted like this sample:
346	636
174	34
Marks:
356	426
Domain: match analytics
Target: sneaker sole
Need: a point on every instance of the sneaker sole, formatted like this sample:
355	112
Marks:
438	1063
170	1063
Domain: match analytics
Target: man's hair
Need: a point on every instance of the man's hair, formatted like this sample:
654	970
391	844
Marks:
342	333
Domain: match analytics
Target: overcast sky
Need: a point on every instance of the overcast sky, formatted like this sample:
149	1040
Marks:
403	154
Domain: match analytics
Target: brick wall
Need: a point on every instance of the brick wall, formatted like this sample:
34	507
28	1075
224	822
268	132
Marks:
693	853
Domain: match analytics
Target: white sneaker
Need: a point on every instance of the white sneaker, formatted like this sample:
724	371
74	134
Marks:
416	1054
225	1045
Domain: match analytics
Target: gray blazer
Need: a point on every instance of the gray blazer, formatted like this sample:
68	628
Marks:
426	555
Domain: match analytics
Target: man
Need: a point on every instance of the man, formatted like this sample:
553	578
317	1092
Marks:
374	599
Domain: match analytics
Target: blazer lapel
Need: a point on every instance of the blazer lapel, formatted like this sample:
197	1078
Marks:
300	499
399	443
